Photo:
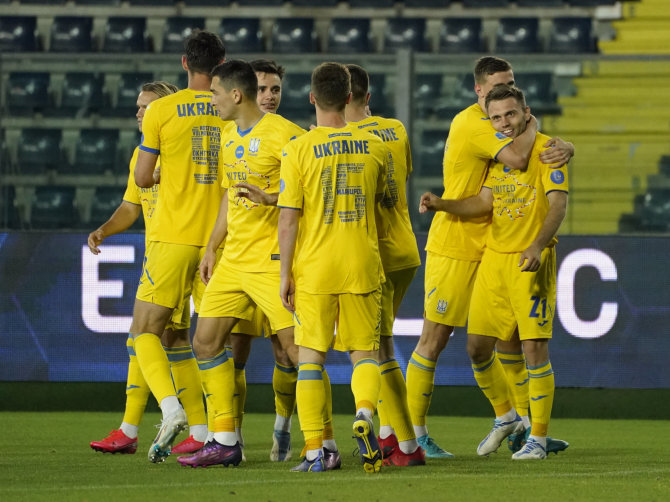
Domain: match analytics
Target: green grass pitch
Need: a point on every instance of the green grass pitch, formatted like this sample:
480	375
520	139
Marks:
45	456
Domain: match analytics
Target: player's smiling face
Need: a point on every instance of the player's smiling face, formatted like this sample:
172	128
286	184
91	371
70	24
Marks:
222	100
143	101
508	116
269	91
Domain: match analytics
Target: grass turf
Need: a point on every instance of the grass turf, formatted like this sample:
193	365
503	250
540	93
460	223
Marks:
45	456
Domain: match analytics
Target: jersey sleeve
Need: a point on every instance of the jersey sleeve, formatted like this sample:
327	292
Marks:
555	179
485	142
150	141
132	192
290	183
488	182
387	164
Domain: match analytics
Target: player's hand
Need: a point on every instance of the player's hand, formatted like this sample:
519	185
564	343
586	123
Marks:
157	174
532	258
252	192
287	293
95	238
207	266
429	202
558	153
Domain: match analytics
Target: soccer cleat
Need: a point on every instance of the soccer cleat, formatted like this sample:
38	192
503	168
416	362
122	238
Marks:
281	446
431	448
532	450
556	445
371	455
316	465
188	445
213	453
332	459
169	429
116	442
387	445
400	458
516	441
494	439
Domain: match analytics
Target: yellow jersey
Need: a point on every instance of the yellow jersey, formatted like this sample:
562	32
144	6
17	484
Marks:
185	130
254	156
397	243
333	175
145	197
520	202
471	144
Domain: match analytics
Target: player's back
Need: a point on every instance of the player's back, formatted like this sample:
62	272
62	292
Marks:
333	174
186	130
397	243
471	145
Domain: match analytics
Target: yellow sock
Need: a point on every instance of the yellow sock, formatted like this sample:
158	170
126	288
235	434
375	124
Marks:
365	384
514	365
155	365
311	400
218	383
541	390
187	383
240	396
393	395
137	390
420	383
284	379
328	431
491	379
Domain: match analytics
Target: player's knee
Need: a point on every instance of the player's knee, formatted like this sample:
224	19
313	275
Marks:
434	339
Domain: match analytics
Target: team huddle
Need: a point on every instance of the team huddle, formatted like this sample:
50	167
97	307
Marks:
251	205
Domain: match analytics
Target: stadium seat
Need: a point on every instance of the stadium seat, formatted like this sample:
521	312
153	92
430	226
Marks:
432	152
572	35
461	35
109	3
177	29
129	88
96	151
71	34
39	150
349	36
295	96
9	214
312	3
378	4
82	94
655	211
208	3
380	103
541	3
28	93
591	3
241	35
405	33
104	203
43	2
18	34
126	34
262	3
517	35
53	207
153	3
540	91
294	35
427	91
477	4
427	3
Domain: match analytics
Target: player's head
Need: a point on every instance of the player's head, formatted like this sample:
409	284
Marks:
233	83
331	87
151	91
507	110
360	84
270	76
491	71
203	50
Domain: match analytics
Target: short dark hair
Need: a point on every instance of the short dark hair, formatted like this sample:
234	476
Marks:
360	83
331	85
268	66
204	50
504	91
160	88
488	65
238	74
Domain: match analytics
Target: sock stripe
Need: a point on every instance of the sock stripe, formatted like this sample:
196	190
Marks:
538	367
286	369
220	359
479	367
130	345
550	371
366	361
422	362
310	375
177	354
389	370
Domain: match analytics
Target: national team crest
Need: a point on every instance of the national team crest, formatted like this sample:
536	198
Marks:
254	145
441	306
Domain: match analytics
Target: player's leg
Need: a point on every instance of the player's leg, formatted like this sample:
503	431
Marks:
124	439
284	380
240	344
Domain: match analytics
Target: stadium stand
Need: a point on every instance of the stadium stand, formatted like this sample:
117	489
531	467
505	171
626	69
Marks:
460	35
241	35
28	93
294	35
104	202
82	94
39	150
432	152
130	85
71	34
405	33
96	151
500	4
428	88
572	35
126	34
349	36
518	35
540	91
177	29
18	34
53	207
295	92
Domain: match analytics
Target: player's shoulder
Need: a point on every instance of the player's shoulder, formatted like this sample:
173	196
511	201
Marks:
540	140
471	117
275	120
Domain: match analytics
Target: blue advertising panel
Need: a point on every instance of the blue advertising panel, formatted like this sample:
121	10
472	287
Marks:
65	313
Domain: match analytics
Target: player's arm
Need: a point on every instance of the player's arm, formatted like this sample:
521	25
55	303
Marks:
124	216
557	153
288	233
558	203
470	207
256	194
144	169
517	154
216	238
